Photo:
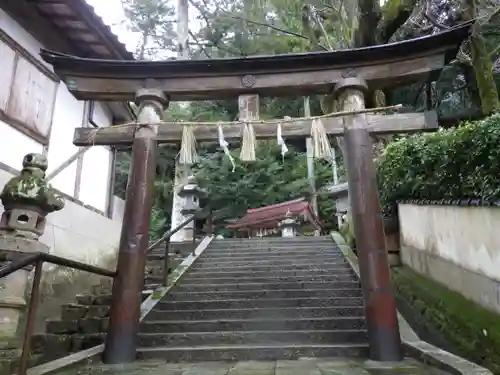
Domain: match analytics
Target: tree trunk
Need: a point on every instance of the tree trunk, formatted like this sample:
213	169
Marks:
481	63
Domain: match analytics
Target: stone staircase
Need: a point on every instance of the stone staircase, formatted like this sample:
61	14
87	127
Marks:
260	299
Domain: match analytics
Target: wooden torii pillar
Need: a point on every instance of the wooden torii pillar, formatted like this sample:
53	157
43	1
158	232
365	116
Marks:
357	129
378	294
128	284
303	74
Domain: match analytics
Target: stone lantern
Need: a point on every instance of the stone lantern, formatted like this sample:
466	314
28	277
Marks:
289	225
27	200
191	194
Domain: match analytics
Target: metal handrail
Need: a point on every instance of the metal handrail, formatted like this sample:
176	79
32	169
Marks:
38	259
24	261
169	233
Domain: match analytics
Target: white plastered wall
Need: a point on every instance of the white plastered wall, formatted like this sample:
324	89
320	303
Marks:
75	232
457	246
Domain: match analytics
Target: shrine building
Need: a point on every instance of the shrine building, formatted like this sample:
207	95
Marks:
38	114
266	221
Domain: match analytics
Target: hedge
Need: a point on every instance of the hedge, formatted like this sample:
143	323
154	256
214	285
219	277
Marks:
457	163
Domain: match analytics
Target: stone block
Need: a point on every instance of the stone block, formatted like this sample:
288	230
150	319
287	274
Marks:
73	312
85	299
54	345
96	311
82	342
103	300
90	325
104	324
62	326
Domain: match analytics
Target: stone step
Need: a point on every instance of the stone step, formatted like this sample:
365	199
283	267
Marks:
256	294
252	352
219	325
273	240
256	313
273	248
209	263
344	276
260	303
84	326
74	311
271	255
257	244
269	285
252	337
235	275
243	256
332	264
291	267
103	299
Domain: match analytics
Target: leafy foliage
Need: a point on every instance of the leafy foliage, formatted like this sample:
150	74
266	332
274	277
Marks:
152	19
256	27
270	179
459	163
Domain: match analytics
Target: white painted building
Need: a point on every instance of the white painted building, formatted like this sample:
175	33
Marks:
38	114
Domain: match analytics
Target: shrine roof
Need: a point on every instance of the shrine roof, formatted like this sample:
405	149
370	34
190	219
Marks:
447	40
270	216
75	21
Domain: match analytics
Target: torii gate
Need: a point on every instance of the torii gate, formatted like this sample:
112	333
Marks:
346	73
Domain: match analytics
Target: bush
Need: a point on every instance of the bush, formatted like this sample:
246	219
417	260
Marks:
458	163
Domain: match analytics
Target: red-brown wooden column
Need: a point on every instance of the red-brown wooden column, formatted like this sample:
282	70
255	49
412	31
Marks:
120	346
378	294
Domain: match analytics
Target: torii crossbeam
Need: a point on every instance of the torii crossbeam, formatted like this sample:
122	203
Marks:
378	124
348	74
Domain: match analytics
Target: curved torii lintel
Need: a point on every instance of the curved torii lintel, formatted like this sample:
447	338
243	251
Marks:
302	74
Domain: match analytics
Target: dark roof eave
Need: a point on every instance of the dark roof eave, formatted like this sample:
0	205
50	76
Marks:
449	41
87	12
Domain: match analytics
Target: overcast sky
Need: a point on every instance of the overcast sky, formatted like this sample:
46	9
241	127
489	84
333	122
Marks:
111	12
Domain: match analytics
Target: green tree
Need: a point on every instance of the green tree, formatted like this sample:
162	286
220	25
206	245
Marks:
268	180
153	20
244	28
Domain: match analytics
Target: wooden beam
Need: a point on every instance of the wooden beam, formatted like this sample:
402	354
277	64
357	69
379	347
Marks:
172	132
281	82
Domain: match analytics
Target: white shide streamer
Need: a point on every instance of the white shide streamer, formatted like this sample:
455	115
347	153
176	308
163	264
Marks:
281	141
223	143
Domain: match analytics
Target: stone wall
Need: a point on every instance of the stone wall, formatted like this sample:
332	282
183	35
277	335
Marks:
457	246
446	318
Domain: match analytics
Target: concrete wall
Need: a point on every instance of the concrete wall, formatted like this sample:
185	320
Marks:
457	246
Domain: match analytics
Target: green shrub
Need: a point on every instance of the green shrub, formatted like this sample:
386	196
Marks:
458	163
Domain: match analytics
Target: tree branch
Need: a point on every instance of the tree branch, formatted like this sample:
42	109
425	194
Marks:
429	17
271	27
200	45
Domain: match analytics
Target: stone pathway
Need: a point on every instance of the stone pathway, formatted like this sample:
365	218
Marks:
299	367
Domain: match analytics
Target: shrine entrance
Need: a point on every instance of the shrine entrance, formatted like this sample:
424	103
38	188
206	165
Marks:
347	74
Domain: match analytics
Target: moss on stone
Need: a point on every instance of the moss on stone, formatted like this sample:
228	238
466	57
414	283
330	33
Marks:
472	330
157	294
483	69
347	231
